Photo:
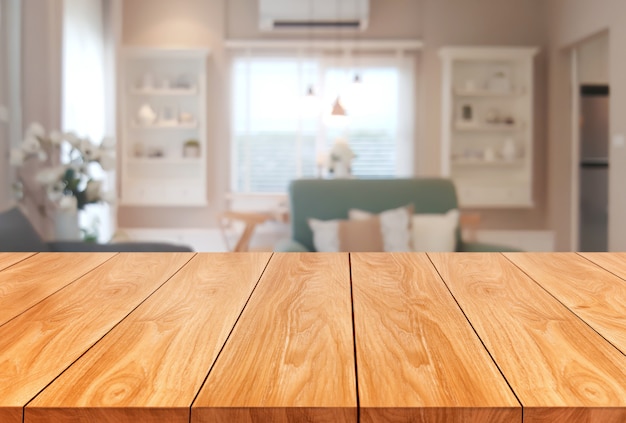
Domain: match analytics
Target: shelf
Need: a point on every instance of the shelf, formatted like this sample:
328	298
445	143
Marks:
165	161
491	86
165	91
486	93
179	203
463	127
168	179
485	163
164	125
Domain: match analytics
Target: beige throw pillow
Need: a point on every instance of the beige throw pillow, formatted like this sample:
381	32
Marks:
347	235
395	226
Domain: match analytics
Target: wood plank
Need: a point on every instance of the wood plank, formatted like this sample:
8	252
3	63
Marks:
9	259
27	283
39	344
554	362
613	262
413	340
595	295
291	356
136	372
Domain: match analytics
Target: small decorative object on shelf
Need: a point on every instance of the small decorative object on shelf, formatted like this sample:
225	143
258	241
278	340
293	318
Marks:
183	82
509	151
138	149
185	117
466	113
146	115
168	116
489	154
499	83
470	86
191	149
155	152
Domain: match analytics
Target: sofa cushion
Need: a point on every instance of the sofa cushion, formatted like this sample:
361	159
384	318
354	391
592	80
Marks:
435	232
17	234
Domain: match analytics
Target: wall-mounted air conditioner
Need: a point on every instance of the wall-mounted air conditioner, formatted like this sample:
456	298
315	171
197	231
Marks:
308	14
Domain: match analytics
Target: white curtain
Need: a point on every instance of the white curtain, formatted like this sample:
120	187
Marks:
10	93
85	92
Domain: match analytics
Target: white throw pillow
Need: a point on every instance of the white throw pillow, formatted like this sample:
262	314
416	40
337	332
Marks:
325	235
435	232
395	226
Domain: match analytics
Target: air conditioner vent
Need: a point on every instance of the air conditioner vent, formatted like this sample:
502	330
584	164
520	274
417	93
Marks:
307	14
317	24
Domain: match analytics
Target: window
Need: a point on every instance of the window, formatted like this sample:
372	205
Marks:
279	133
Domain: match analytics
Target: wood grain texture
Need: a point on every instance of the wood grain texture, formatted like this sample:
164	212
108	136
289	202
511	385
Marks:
552	360
112	415
292	350
9	259
412	338
151	366
41	343
575	415
27	283
595	295
277	415
441	415
613	262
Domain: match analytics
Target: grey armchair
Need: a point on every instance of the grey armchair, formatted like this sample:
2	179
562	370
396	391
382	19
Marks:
18	235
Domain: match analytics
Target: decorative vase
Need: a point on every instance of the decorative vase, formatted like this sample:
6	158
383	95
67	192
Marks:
66	226
509	151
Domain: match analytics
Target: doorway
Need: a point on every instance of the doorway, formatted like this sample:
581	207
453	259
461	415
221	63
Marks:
594	168
590	158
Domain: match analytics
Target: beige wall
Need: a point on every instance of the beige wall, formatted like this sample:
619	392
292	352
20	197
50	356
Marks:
570	22
436	22
593	60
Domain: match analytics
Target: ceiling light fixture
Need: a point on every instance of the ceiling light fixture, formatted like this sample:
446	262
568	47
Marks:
338	109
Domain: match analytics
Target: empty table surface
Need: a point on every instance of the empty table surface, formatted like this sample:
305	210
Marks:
315	337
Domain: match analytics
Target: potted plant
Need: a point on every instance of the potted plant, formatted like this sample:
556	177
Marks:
63	166
191	148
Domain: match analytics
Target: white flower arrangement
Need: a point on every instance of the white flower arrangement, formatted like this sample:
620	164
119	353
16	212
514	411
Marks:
341	156
69	185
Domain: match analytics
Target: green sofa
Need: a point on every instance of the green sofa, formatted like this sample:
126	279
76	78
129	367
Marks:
331	199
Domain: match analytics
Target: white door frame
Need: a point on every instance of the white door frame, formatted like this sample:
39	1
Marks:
575	148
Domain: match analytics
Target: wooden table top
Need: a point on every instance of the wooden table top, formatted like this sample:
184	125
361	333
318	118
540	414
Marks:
315	337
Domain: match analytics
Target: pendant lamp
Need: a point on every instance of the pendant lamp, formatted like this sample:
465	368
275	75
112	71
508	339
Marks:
338	109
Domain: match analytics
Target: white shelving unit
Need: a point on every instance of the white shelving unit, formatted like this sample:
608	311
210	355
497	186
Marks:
162	100
487	124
